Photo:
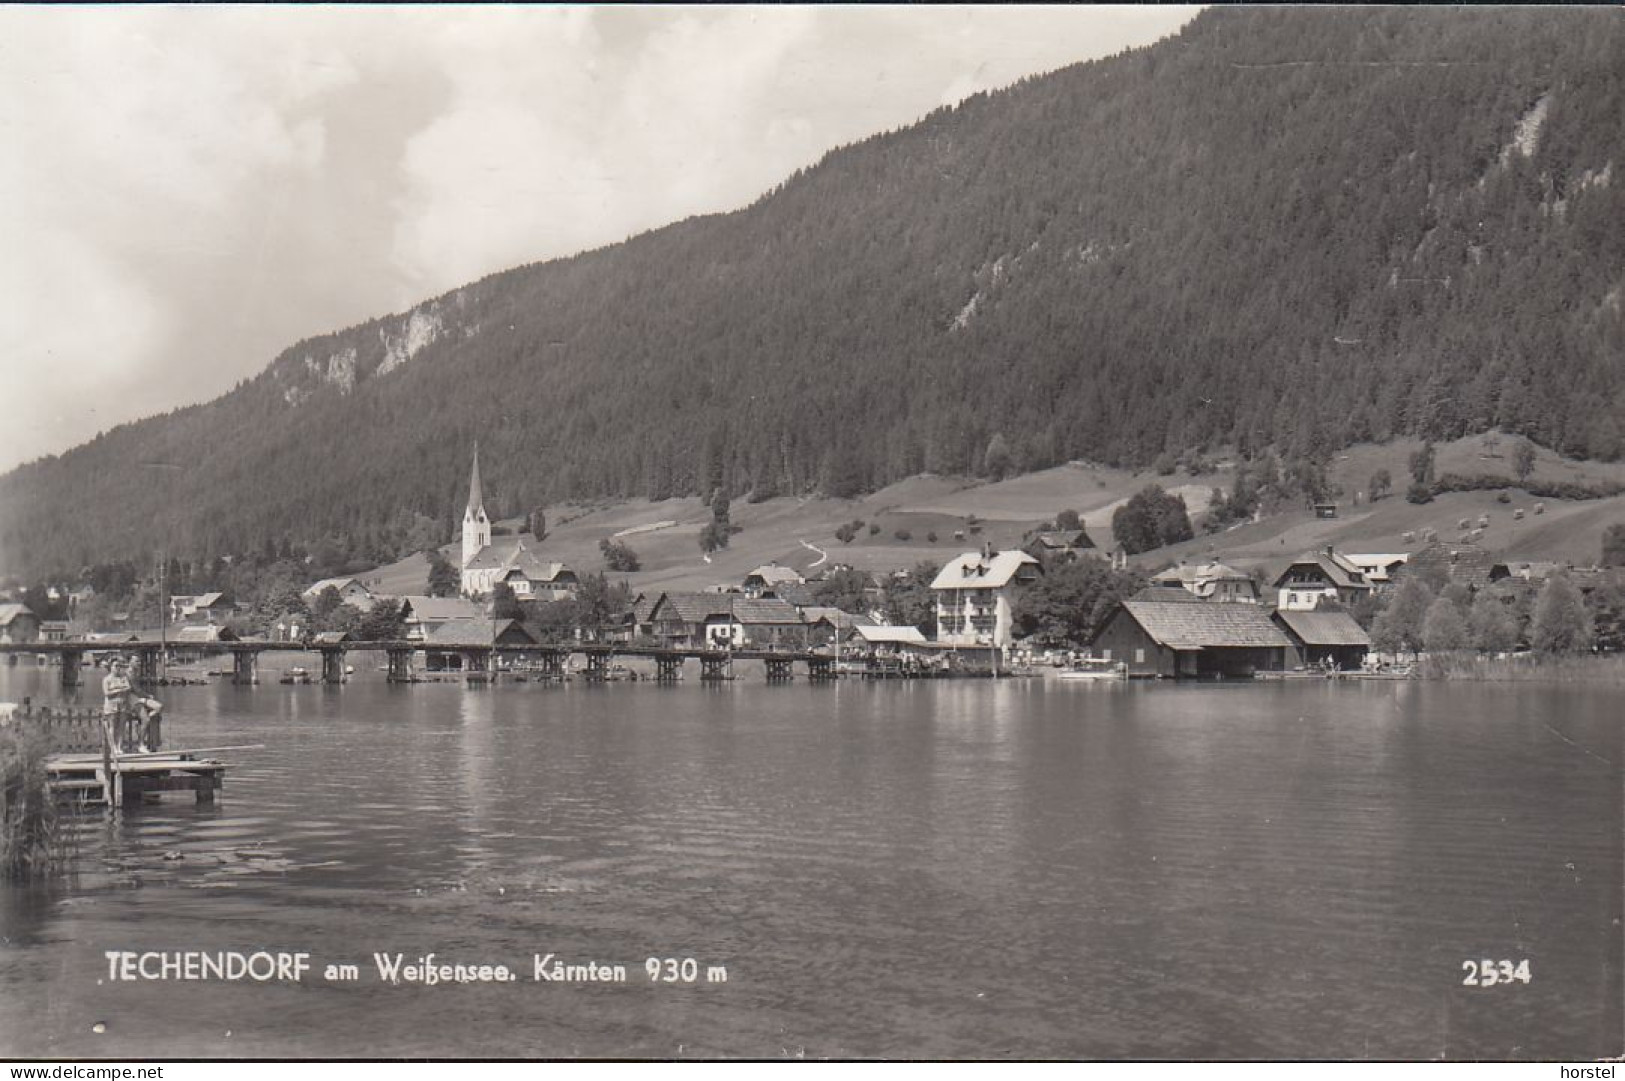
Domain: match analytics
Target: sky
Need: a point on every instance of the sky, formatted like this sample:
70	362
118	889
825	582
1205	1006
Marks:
186	191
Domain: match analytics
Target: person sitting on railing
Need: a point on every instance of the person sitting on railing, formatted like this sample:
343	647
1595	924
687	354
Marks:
119	700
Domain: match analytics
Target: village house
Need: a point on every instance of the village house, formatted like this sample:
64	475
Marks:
1379	568
1209	581
448	646
507	560
1332	638
351	591
18	623
1313	577
53	630
1183	640
975	593
201	608
679	619
1064	543
422	616
826	625
749	623
768	577
192	643
1453	562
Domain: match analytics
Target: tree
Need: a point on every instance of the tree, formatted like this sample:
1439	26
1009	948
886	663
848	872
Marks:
844	589
445	580
538	524
1399	626
1491	624
1443	628
998	461
1523	460
383	622
1150	519
1068	520
1613	545
1421	465
504	605
1561	623
909	601
326	603
1607	606
599	603
1381	484
619	556
1067	604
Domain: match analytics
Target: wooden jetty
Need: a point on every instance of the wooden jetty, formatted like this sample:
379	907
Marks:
540	662
112	759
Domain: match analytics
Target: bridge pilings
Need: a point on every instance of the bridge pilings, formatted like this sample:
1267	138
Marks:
245	667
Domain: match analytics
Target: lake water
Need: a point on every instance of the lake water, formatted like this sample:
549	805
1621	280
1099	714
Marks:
1025	868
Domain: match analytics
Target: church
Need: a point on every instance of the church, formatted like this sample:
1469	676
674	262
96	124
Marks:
508	560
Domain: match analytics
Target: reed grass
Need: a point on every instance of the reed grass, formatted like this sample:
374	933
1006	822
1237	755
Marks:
33	841
1578	668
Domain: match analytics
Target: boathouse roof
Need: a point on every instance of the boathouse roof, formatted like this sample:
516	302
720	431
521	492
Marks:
1206	626
890	635
1318	628
481	632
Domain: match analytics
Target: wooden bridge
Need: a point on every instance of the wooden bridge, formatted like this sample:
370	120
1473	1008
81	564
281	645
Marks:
545	661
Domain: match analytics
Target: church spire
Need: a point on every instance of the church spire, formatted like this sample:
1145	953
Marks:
476	498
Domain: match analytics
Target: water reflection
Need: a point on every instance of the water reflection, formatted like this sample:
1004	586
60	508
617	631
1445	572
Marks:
908	869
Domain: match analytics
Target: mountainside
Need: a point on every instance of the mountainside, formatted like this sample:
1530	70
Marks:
1293	226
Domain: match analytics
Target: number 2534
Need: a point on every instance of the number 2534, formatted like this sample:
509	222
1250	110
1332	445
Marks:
1488	973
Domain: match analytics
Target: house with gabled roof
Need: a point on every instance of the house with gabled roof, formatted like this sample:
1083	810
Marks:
678	619
1454	562
18	623
1213	581
1325	637
768	576
1313	577
975	594
1157	639
751	623
1063	543
422	616
351	591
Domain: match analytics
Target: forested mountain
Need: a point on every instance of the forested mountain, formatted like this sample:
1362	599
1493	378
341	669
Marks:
1298	227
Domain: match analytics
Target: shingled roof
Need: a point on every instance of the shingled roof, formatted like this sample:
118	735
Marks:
1205	626
767	610
1324	628
1459	562
691	607
1337	568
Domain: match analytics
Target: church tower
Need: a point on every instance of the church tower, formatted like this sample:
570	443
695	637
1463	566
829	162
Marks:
476	526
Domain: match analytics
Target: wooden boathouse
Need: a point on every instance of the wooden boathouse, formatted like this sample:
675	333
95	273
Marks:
1192	640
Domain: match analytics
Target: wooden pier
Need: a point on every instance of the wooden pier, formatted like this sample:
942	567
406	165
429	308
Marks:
113	760
479	664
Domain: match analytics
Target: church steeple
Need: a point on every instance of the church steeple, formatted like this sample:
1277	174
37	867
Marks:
476	498
476	525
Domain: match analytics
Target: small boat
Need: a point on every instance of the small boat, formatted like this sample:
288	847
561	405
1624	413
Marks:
296	675
1094	668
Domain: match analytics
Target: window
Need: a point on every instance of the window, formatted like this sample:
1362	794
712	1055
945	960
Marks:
1139	656
1105	654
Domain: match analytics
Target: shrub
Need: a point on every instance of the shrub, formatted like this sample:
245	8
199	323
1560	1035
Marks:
931	537
1418	493
874	528
903	535
31	842
1503	498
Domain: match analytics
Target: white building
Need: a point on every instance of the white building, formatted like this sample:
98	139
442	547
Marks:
508	560
1210	581
974	597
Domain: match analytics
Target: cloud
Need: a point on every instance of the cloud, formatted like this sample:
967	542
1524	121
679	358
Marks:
189	190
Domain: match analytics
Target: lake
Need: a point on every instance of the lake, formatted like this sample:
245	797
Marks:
1022	868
